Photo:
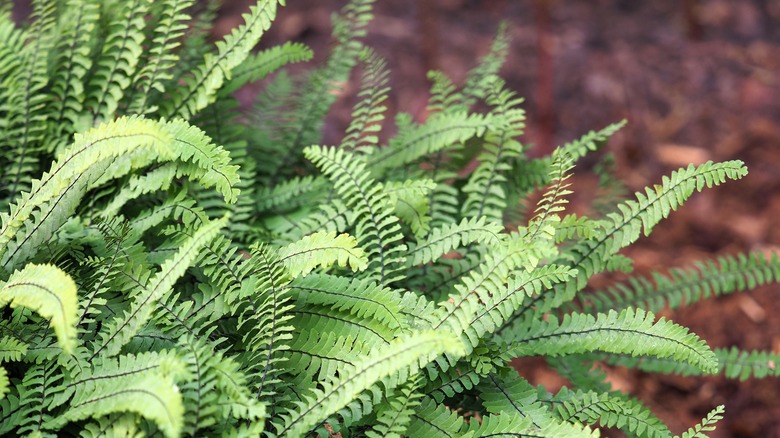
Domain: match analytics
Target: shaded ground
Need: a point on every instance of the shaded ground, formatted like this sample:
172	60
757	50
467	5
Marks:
697	81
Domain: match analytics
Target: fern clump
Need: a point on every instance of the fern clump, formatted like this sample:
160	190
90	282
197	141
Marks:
174	266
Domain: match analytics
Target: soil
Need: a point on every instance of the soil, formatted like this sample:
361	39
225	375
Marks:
696	80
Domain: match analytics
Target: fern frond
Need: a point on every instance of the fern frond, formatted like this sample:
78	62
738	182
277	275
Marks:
435	420
683	287
368	112
443	240
392	365
12	349
4	382
377	228
119	331
478	81
208	78
322	249
732	362
630	331
485	189
438	133
73	62
259	65
622	229
27	108
394	415
707	423
553	200
150	395
362	298
156	68
118	60
626	414
590	142
51	293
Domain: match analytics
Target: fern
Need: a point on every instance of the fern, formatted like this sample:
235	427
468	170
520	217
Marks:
177	264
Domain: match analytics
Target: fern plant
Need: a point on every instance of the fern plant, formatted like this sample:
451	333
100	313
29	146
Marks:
173	266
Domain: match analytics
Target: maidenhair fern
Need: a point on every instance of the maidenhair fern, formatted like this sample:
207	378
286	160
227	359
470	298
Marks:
174	266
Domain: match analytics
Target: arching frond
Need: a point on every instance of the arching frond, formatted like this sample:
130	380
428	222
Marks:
51	293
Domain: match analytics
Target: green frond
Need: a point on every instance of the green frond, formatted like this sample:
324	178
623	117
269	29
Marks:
217	391
444	95
590	142
4	382
411	199
439	132
707	423
361	298
392	365
233	50
607	410
732	362
324	250
42	383
377	229
319	354
478	81
119	331
572	226
683	287
124	425
150	395
485	190
435	420
554	198
456	380
51	293
506	391
71	66
265	320
394	415
631	332
368	112
259	65
443	240
119	57
157	64
483	302
622	229
12	349
26	108
289	194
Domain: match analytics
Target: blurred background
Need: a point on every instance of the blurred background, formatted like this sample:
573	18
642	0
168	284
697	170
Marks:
697	80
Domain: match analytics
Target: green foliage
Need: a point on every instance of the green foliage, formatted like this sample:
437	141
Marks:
208	271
